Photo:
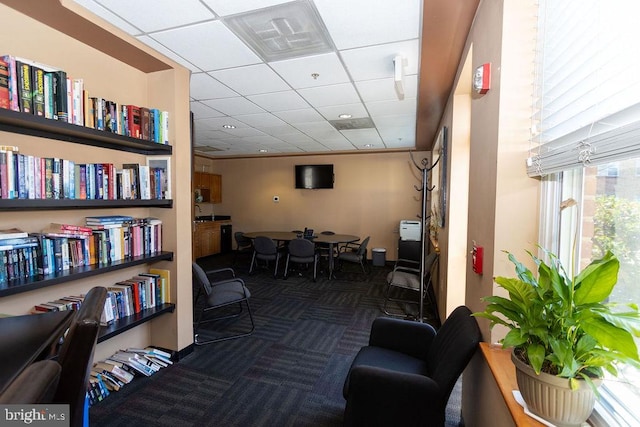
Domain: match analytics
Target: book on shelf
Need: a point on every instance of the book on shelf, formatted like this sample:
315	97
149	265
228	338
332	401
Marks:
12	81
116	371
5	98
165	283
108	219
37	79
134	121
56	227
12	233
25	87
61	106
144	123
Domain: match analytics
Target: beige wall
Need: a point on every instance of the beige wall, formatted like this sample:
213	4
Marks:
372	193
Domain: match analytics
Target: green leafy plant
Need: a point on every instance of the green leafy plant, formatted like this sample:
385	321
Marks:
564	325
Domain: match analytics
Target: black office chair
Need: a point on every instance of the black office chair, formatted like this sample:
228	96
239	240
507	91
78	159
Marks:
76	355
405	375
302	251
244	245
266	250
220	294
405	277
36	384
354	252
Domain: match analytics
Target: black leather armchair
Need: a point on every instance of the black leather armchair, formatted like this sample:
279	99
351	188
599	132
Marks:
405	375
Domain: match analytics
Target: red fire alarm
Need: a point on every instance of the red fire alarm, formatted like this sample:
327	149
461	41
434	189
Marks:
482	78
477	253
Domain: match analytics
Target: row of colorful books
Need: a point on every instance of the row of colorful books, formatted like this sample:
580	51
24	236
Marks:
46	91
124	298
25	176
61	247
110	375
142	291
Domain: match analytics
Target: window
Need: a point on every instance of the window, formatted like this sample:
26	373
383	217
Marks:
586	147
604	217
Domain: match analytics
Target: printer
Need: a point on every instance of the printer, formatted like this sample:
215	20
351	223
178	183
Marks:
410	230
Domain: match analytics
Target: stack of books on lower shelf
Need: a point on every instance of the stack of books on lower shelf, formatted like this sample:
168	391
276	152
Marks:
113	373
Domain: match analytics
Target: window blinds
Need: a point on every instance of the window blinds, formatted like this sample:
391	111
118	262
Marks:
587	96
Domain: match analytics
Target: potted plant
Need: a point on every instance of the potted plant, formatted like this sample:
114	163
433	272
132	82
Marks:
563	328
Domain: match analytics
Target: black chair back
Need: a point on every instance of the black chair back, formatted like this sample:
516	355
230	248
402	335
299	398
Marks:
452	349
242	242
264	246
362	250
76	354
302	248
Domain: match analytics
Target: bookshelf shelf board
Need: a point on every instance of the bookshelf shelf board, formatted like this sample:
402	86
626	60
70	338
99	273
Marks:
28	124
40	281
67	204
121	325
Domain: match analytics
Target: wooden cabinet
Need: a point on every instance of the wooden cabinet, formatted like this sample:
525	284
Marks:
207	238
128	74
211	183
215	187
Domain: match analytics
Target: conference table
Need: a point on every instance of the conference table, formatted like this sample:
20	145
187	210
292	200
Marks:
330	239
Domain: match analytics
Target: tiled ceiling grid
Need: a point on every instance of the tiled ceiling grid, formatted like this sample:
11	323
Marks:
244	105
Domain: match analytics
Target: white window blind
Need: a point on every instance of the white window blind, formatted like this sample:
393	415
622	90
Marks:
587	100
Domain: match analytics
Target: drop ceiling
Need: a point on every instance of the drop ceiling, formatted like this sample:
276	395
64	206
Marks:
340	97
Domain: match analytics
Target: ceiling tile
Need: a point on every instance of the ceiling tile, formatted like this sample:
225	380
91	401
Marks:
407	120
330	95
260	119
377	62
251	80
244	132
398	135
217	123
201	111
209	46
384	89
154	15
304	115
297	138
203	86
108	16
392	108
280	131
226	7
234	106
363	136
279	101
168	53
332	112
299	72
356	23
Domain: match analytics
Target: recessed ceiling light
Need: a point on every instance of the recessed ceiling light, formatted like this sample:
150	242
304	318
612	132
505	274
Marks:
345	116
228	126
368	145
262	150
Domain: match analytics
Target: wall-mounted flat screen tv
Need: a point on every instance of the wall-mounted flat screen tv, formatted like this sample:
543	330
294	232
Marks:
314	176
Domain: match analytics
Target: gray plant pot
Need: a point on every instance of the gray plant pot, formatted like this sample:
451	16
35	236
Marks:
551	398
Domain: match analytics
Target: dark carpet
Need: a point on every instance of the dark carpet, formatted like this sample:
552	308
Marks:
290	372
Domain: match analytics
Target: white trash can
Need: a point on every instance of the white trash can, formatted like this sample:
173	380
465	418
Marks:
378	256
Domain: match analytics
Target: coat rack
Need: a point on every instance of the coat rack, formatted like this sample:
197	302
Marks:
424	189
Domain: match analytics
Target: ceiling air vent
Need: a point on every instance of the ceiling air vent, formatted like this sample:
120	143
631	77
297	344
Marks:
351	124
206	148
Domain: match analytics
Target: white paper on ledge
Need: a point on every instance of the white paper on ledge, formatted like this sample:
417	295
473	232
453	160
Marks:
521	402
518	397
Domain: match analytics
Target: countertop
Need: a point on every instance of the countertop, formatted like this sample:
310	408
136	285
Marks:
207	218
